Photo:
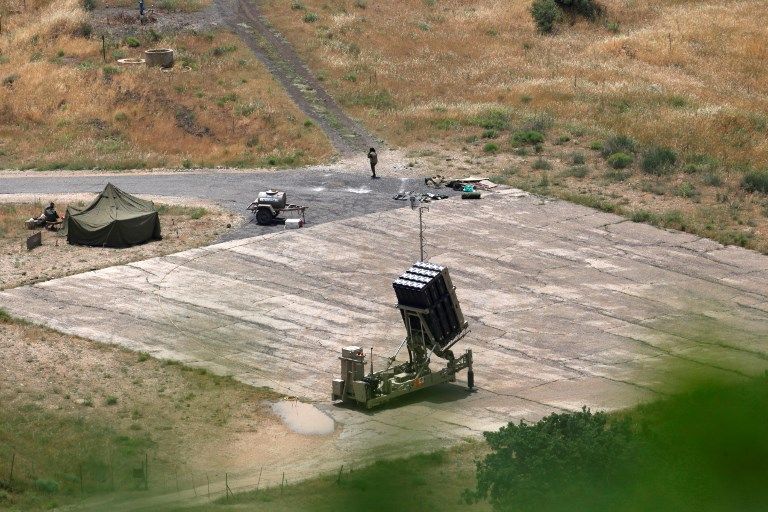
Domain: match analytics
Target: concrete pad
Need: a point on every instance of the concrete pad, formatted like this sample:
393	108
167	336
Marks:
568	307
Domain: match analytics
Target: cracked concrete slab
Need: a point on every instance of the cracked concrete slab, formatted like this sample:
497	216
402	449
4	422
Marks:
568	307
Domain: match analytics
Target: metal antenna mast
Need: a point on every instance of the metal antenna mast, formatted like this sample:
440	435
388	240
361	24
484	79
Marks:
421	226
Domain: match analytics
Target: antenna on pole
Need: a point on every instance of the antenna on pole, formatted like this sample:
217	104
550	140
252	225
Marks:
421	225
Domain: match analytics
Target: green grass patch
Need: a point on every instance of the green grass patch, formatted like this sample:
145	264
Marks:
527	138
755	181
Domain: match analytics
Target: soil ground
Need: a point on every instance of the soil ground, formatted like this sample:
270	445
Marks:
183	227
68	403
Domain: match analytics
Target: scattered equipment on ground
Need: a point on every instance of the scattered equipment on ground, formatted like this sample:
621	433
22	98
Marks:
114	219
268	205
433	323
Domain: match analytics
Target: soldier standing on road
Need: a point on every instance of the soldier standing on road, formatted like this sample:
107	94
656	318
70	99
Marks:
374	160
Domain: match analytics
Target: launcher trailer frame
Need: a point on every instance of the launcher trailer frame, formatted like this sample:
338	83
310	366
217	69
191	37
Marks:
433	322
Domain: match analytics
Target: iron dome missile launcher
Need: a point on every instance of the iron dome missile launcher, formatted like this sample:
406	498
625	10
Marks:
433	323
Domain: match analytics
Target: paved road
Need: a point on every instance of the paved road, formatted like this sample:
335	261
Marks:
331	195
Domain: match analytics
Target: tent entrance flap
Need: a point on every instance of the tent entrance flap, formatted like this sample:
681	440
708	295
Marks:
114	219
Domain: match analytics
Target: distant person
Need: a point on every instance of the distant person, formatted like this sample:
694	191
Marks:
374	159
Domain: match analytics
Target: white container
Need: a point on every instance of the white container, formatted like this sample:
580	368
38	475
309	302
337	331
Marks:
293	223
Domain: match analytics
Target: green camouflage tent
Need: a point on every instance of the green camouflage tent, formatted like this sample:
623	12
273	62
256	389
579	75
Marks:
114	219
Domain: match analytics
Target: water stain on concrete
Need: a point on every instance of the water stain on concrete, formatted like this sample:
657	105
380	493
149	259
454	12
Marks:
304	418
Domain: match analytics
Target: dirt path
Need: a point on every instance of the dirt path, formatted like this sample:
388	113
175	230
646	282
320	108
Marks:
245	19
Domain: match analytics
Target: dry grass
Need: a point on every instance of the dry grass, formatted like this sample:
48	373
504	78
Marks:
63	107
182	228
689	74
163	5
462	77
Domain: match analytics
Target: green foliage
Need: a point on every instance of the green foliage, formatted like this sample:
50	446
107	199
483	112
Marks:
110	71
47	485
620	160
539	122
659	160
577	158
132	42
310	17
527	137
491	147
5	318
643	216
541	164
89	5
712	179
687	190
297	5
379	99
490	134
492	119
705	449
618	144
755	181
596	146
577	171
546	14
222	50
111	400
560	456
197	213
617	176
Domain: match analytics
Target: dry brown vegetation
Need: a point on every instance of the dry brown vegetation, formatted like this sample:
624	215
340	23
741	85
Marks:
63	106
182	228
461	78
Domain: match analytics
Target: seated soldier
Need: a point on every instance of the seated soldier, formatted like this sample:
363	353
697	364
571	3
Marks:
49	215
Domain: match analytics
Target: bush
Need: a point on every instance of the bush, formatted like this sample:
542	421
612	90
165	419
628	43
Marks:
490	134
687	190
755	181
712	179
89	5
618	144
310	17
620	160
132	42
47	485
586	8
659	160
545	14
577	158
493	119
111	400
527	137
491	147
541	165
642	216
577	171
110	71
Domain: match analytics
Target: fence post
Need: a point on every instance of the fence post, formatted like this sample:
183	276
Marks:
194	488
146	471
10	475
338	479
259	482
282	483
226	485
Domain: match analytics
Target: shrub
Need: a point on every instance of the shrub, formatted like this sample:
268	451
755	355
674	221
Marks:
541	164
491	147
618	144
577	171
545	14
85	30
712	179
132	42
596	146
620	160
642	216
586	8
310	17
490	134
659	160
221	50
686	189
47	485
755	181
110	71
9	80
5	318
493	119
577	158
197	213
89	5
527	137
111	400
616	176
539	123
296	5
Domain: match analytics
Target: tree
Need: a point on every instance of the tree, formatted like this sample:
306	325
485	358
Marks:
553	465
545	14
